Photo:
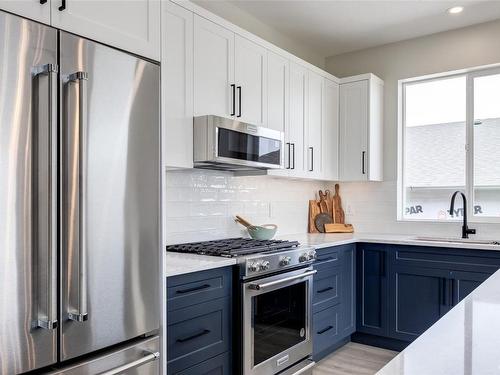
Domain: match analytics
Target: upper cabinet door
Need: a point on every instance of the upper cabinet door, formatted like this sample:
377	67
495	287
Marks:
298	119
177	86
214	88
315	109
354	131
250	70
133	26
277	91
32	9
330	130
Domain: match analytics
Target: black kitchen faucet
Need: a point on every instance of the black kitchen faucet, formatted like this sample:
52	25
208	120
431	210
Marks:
465	229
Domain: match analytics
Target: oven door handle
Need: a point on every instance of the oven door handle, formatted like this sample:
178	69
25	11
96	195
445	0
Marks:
280	281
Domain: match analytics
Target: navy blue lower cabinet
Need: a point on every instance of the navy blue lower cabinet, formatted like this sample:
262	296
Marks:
419	297
220	365
348	281
371	286
463	283
327	288
325	331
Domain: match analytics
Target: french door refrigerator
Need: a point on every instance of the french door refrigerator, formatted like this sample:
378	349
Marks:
79	205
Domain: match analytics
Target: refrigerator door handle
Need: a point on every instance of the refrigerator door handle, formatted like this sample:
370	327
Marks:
148	357
46	198
79	308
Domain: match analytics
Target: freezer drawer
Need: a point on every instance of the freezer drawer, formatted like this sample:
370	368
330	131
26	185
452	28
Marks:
140	358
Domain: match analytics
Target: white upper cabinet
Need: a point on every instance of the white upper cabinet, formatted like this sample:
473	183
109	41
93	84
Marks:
132	25
250	74
214	87
277	91
361	102
177	86
314	160
297	122
33	9
330	130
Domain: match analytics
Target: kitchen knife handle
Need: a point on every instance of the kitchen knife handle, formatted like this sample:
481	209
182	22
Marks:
45	199
79	310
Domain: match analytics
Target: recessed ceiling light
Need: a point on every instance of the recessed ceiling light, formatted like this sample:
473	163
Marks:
455	10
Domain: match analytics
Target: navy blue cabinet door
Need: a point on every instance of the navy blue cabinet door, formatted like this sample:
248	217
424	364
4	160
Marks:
348	311
419	296
371	289
465	282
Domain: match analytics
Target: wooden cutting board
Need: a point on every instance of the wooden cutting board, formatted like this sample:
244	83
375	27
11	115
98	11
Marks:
339	216
314	210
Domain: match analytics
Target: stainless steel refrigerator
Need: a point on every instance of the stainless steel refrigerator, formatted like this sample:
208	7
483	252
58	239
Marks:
79	204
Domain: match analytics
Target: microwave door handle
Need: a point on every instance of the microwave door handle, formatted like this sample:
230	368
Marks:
45	201
280	281
79	308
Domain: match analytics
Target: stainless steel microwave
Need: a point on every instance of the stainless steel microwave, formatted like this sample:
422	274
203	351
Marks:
226	144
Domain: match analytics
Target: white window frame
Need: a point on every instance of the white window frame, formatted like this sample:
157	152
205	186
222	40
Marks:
469	74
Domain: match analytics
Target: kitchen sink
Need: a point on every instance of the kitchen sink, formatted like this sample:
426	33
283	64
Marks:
458	240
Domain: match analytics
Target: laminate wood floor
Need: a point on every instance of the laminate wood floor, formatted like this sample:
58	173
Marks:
354	359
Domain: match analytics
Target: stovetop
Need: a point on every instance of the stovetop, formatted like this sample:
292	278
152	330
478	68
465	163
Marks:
233	247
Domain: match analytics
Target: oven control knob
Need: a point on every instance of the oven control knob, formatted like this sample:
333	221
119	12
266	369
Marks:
304	258
253	266
265	265
285	261
312	255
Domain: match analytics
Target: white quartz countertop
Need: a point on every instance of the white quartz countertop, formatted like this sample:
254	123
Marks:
178	263
465	341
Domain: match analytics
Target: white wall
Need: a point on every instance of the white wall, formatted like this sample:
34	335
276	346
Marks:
373	206
250	23
201	205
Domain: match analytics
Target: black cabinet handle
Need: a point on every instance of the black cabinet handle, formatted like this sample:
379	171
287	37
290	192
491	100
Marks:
239	101
312	159
325	290
43	2
194	289
363	154
326	259
63	5
293	157
324	330
233	87
288	144
196	335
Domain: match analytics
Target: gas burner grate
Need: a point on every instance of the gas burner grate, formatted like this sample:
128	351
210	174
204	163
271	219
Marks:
232	247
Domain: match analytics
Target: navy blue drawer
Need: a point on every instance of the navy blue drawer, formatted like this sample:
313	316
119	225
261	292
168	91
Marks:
194	288
220	365
325	329
326	288
327	257
198	333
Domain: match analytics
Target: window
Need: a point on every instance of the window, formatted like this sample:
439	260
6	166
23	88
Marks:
450	140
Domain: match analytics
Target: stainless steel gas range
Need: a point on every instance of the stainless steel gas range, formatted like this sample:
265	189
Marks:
273	311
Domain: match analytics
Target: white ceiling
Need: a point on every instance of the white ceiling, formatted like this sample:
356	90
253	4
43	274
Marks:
334	27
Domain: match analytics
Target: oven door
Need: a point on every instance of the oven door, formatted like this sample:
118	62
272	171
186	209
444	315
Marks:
277	321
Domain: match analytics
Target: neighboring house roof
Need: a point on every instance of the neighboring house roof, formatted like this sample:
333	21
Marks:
435	154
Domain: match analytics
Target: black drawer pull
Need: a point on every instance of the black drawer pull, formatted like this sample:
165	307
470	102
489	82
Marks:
324	330
319	259
194	289
325	290
196	335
